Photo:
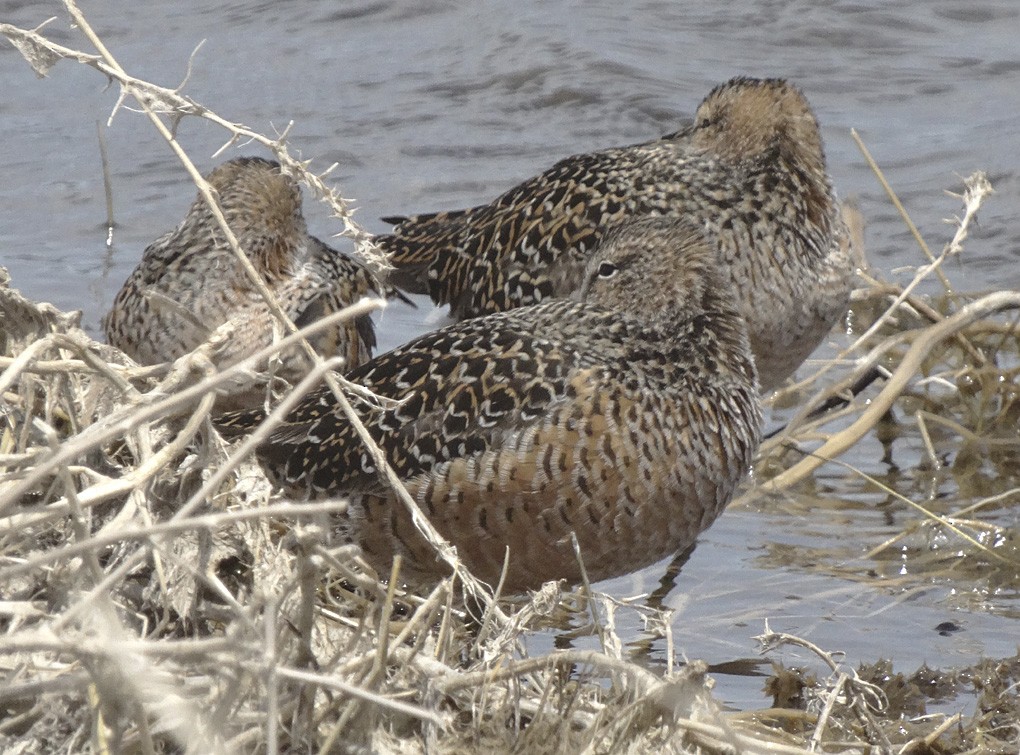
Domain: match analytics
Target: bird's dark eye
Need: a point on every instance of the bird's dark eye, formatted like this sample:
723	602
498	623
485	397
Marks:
607	269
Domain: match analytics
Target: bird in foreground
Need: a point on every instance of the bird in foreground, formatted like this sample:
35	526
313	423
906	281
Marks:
627	415
750	170
190	288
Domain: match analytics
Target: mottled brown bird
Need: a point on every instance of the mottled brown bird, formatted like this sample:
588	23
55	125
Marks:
189	287
750	170
627	415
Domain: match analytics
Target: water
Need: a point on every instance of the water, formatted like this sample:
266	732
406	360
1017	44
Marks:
433	105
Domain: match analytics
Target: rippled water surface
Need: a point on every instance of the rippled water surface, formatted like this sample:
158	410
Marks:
434	105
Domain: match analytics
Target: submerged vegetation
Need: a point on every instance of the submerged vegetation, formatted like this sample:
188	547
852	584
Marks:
154	597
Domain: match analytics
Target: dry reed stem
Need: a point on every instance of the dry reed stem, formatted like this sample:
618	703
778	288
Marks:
922	345
361	693
949	522
206	522
977	189
879	289
900	208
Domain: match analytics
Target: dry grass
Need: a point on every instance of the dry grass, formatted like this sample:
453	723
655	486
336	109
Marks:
156	597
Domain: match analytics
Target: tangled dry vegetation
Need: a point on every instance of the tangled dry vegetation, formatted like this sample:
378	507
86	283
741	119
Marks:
154	596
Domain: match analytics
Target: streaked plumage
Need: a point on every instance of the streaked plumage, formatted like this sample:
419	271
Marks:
189	286
750	170
628	415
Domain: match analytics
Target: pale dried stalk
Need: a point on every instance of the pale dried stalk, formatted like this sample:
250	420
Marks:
152	689
43	641
722	739
976	190
207	522
948	522
922	308
60	366
332	682
645	681
800	428
899	207
923	344
20	362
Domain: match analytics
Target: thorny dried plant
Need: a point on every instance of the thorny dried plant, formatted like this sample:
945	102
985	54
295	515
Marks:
155	595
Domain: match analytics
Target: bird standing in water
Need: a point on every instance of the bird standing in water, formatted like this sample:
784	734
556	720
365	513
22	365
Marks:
189	287
750	171
627	415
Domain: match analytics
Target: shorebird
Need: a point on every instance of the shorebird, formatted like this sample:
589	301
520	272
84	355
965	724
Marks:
750	171
189	287
627	415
